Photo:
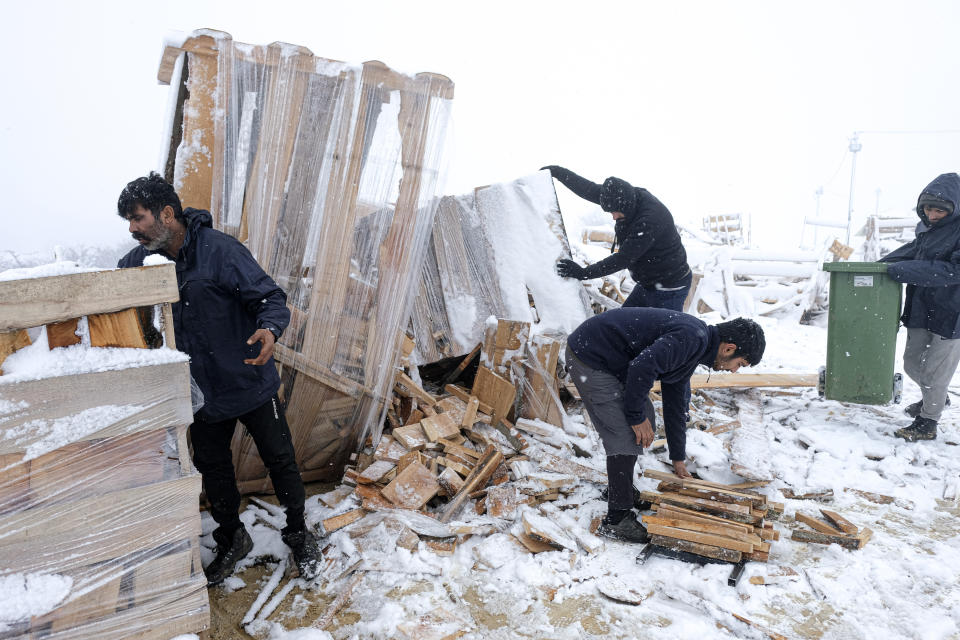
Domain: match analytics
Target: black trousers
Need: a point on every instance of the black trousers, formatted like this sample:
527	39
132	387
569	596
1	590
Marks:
267	425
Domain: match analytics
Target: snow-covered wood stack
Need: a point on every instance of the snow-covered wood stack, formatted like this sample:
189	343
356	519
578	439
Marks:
99	518
710	519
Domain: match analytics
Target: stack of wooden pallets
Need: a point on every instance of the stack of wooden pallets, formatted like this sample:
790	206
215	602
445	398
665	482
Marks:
710	519
98	499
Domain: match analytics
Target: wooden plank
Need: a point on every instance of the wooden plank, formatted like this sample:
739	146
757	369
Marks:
118	329
450	481
453	375
11	341
412	487
696	504
848	542
376	471
62	334
840	522
703	527
439	426
160	574
486	466
503	501
36	301
459	467
542	528
495	391
705	485
340	521
708	494
749	380
671	511
822	494
463	452
550	462
412	437
817	525
389	449
418	392
749	446
700	538
705	550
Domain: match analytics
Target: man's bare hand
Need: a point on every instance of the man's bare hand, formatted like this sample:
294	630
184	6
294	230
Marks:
680	468
264	336
644	433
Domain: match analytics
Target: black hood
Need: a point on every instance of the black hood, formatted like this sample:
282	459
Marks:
946	186
193	219
618	195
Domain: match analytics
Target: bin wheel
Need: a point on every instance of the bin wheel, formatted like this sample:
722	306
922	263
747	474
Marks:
821	380
897	387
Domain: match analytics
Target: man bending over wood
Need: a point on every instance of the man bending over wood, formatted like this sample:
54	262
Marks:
228	318
615	357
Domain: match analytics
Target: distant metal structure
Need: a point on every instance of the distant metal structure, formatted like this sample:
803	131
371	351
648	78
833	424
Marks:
855	147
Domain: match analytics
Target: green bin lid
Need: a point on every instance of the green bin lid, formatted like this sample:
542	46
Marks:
856	267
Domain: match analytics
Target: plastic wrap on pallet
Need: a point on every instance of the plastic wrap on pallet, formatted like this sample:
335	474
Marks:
329	173
99	521
493	252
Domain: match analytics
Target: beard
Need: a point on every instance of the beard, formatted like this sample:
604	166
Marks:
156	238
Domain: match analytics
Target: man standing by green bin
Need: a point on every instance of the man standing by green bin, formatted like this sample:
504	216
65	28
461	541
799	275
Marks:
930	267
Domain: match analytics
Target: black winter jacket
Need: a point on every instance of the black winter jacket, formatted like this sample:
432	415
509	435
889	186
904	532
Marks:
650	245
640	345
224	298
930	266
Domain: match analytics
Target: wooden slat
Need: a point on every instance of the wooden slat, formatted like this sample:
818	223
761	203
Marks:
11	341
36	301
63	334
700	538
703	527
817	525
118	329
747	380
495	391
486	466
840	522
464	395
705	550
848	542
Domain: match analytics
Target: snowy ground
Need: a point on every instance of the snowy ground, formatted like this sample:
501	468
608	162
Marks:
905	583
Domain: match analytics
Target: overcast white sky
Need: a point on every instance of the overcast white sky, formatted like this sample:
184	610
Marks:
716	107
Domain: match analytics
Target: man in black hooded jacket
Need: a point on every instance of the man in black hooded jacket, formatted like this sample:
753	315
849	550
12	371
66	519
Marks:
930	267
228	318
647	237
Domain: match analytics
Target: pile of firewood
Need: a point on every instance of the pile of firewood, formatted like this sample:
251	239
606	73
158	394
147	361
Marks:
725	522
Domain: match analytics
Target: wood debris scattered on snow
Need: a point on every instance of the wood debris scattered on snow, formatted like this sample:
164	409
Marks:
834	529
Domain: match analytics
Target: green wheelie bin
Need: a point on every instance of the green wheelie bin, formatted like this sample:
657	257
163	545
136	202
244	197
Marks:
862	324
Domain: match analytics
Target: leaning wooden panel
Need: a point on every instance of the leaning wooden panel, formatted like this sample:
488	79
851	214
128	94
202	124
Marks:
36	301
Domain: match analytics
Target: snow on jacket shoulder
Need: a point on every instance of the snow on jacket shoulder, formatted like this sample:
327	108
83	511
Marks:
225	296
930	266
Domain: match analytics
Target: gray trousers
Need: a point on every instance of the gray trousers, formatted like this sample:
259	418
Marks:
602	396
930	361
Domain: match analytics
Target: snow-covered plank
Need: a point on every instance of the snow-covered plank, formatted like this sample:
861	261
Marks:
35	301
749	380
750	454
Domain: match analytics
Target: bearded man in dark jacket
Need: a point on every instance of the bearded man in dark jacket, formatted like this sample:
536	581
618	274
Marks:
228	318
930	267
647	237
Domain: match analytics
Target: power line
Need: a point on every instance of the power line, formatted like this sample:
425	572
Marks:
928	131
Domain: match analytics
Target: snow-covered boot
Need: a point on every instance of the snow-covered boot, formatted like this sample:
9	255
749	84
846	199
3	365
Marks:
920	429
306	552
231	549
627	530
638	502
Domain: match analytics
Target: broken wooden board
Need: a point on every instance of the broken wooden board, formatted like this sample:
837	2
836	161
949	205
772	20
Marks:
750	380
412	487
340	521
545	530
503	501
450	481
817	525
819	494
375	472
503	344
335	497
464	395
439	426
840	522
749	447
389	449
550	462
415	390
495	391
590	542
412	437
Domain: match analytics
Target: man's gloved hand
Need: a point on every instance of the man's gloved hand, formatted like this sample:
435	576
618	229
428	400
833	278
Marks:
552	168
570	269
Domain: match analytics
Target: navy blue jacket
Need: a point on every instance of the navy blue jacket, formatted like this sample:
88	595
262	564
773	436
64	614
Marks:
930	266
639	345
224	298
650	245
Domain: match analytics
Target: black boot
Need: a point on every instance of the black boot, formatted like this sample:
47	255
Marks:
306	552
920	429
231	549
627	529
638	502
913	410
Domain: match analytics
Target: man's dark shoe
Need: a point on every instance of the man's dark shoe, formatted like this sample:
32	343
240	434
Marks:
913	410
306	552
627	530
638	502
230	551
920	429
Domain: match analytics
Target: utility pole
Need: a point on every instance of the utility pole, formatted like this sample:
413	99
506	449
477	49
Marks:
855	146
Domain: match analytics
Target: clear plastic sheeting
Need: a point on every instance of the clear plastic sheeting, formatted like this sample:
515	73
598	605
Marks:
329	173
493	253
99	518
